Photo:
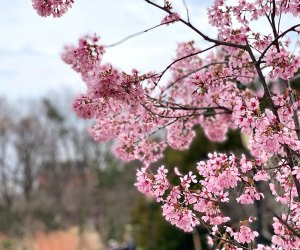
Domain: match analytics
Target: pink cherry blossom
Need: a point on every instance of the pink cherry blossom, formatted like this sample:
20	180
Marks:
56	8
227	86
245	235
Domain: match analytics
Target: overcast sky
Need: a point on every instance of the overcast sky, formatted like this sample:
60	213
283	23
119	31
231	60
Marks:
30	46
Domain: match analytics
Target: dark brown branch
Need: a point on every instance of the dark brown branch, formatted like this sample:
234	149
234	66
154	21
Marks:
289	153
273	25
206	113
182	58
263	82
291	229
205	37
267	94
160	128
293	28
295	113
194	71
178	106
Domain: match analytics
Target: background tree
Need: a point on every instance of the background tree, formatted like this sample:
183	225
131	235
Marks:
55	177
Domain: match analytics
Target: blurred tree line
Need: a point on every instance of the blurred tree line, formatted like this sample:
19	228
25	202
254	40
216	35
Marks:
54	176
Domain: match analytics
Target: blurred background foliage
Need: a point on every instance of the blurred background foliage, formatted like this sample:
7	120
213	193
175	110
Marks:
54	176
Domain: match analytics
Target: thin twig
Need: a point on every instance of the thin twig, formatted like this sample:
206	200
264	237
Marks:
155	131
136	34
295	113
187	10
205	113
192	72
182	58
187	107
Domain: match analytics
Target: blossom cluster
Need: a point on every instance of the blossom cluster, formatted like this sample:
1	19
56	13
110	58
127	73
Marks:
217	89
86	57
220	174
56	8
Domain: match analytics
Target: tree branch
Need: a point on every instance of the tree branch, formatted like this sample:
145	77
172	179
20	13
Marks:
180	59
291	229
293	28
205	37
194	71
187	10
136	34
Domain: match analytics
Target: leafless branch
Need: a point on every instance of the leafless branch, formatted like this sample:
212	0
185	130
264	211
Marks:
293	28
182	58
136	34
187	10
194	71
205	37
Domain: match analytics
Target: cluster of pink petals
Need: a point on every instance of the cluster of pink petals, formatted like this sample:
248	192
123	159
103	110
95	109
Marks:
219	174
283	237
290	6
227	16
180	135
184	219
174	17
249	195
283	64
86	56
153	185
145	115
268	136
56	8
244	235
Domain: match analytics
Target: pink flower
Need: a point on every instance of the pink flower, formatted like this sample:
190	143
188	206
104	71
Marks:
250	194
261	175
86	56
56	8
296	172
171	18
83	106
280	100
245	235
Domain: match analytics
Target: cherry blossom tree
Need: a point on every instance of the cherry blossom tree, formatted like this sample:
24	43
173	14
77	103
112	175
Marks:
227	85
